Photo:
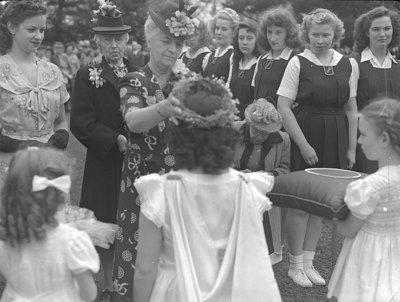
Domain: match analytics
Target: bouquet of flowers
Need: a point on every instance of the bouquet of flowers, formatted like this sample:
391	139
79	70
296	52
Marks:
101	233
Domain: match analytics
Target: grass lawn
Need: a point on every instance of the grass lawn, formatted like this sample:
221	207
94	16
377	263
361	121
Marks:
324	260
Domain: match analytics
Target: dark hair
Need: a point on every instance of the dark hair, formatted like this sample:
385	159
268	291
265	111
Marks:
363	23
193	145
321	16
384	113
281	16
250	26
23	213
17	12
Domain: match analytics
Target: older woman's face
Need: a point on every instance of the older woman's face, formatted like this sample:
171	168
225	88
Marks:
321	38
112	47
380	33
164	50
257	135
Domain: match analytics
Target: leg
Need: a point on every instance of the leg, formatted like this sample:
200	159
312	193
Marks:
107	258
296	227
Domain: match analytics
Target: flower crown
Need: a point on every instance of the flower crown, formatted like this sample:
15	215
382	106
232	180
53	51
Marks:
107	8
206	93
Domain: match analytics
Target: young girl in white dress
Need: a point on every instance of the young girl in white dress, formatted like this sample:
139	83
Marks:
41	259
201	235
368	267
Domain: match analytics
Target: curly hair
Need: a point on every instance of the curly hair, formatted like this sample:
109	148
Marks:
211	149
25	214
281	16
16	12
384	113
227	14
251	26
321	16
204	34
363	24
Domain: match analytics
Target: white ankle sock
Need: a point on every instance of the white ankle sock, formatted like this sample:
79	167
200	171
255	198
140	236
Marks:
308	257
295	261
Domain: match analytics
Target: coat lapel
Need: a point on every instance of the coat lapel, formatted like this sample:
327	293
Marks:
109	75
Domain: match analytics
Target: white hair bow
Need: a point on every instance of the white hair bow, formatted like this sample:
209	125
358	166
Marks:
62	183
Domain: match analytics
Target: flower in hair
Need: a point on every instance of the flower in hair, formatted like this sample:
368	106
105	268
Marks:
181	24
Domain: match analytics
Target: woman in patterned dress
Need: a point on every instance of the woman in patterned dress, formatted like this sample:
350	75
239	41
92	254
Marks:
219	62
145	109
32	92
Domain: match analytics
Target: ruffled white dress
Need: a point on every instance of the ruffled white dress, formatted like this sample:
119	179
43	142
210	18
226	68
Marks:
214	247
44	271
368	267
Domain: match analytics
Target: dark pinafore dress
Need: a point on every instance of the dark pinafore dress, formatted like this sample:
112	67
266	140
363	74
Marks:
240	86
268	78
373	83
322	93
218	66
194	64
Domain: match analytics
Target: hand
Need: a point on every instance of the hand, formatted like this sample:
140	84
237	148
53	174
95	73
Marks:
309	155
170	106
351	158
59	139
122	143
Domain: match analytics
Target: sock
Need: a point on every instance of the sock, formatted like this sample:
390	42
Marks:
308	257
295	261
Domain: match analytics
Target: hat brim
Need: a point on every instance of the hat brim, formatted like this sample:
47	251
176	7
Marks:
112	30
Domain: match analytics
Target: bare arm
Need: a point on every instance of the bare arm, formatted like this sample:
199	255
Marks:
348	227
87	287
293	129
149	248
351	113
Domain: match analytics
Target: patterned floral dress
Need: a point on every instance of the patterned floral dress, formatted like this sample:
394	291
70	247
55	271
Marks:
147	153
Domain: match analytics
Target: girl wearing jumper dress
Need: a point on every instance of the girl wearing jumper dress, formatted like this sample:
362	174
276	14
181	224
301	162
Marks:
41	259
368	265
201	236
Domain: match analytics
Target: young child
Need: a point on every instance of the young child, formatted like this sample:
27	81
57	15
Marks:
368	267
42	260
201	235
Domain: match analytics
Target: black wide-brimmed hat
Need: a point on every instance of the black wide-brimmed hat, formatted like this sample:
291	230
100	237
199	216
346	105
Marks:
108	20
174	17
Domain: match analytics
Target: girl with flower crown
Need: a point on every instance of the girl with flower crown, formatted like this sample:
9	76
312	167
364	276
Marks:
201	236
145	110
41	259
219	62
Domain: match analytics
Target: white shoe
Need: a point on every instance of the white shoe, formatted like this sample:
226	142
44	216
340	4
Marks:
275	258
314	276
299	277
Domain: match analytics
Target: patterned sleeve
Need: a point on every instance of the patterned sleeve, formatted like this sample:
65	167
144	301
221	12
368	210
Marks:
132	90
151	193
361	197
81	254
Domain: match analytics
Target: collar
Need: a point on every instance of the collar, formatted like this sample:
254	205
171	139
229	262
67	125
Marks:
198	52
367	55
248	65
309	55
222	53
285	54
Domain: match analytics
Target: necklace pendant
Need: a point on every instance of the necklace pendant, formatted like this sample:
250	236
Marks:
268	64
328	70
214	60
241	74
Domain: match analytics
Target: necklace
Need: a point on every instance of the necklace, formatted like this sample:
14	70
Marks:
328	70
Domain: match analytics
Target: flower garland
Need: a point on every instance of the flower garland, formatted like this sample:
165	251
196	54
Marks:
181	24
95	78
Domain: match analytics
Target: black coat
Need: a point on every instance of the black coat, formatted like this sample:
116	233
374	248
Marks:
96	121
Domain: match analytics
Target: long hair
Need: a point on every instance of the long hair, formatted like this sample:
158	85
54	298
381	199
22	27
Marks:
25	214
16	12
281	16
363	23
250	26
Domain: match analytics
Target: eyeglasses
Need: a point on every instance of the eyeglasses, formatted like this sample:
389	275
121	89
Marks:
108	40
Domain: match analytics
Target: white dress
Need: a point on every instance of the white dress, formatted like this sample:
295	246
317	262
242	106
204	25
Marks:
368	267
44	271
214	247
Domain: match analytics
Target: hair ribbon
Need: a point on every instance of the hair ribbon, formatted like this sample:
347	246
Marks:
62	183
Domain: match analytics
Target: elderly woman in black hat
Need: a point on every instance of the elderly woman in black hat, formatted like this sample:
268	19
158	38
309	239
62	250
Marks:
263	147
96	121
145	109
